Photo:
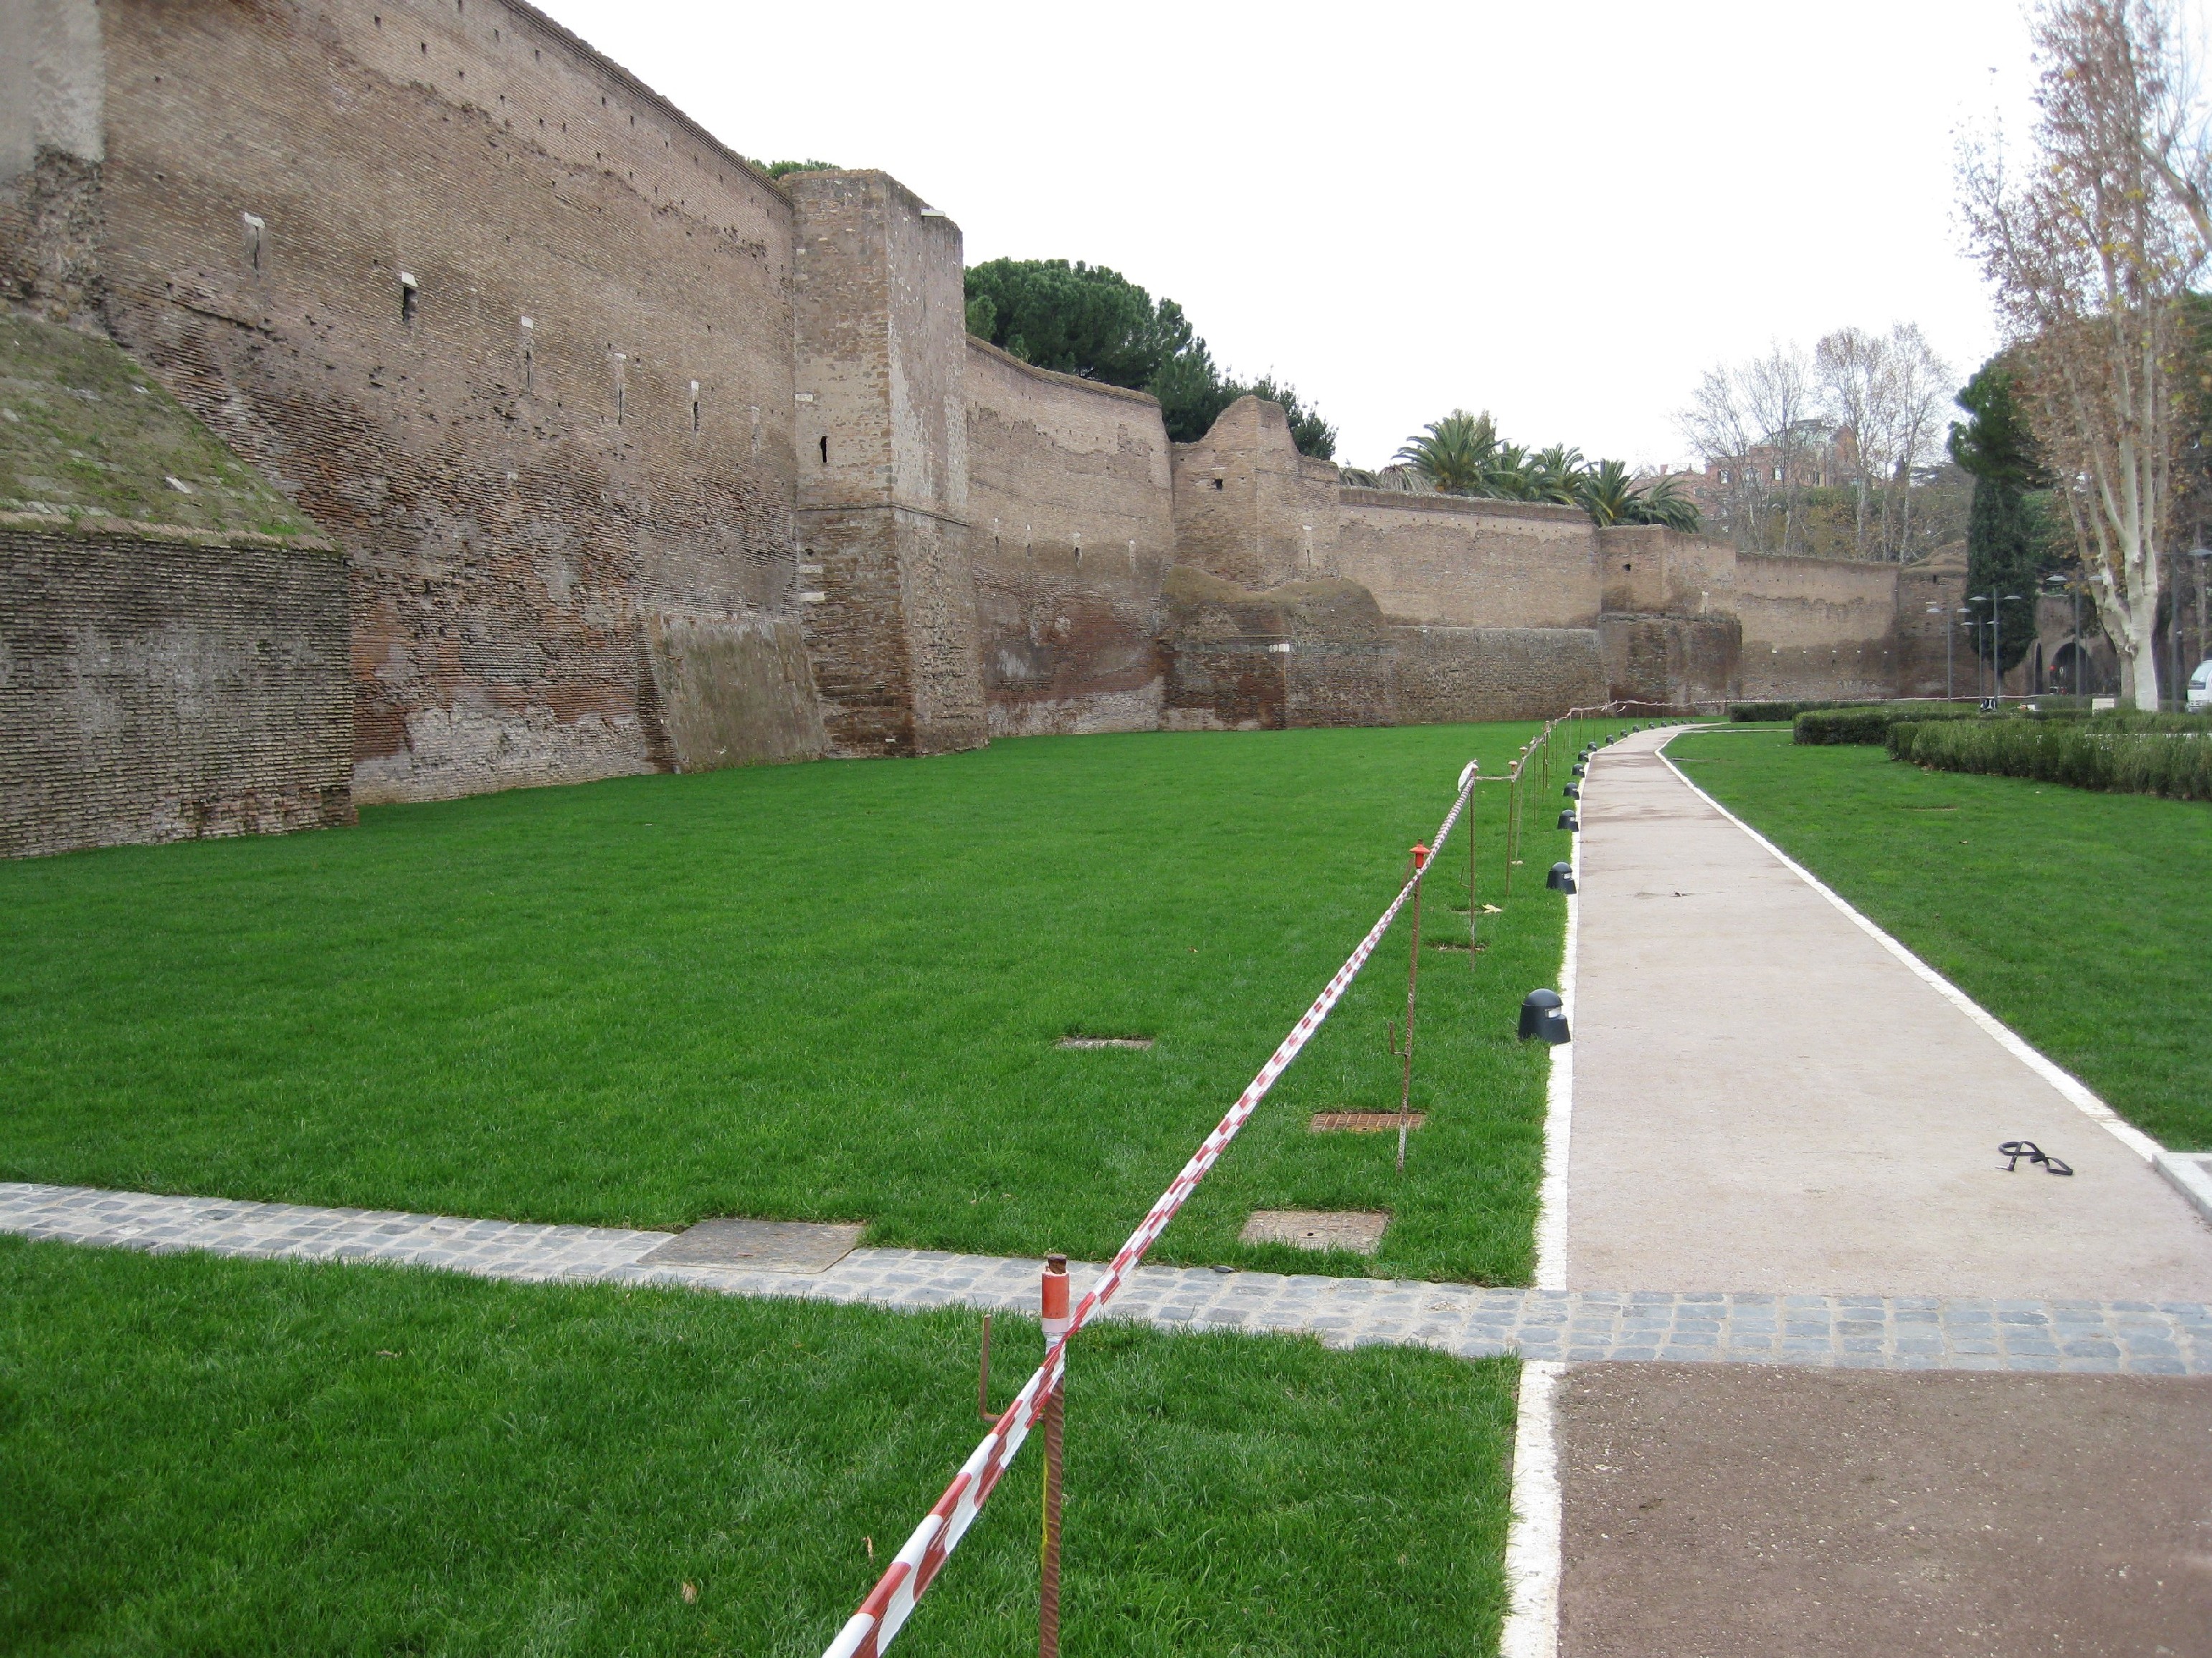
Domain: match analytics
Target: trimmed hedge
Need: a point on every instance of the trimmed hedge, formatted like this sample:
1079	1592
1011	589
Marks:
1870	723
1747	713
2136	754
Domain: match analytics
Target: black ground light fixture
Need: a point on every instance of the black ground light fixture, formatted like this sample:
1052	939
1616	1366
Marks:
1571	792
1569	822
1581	766
1560	877
1543	1015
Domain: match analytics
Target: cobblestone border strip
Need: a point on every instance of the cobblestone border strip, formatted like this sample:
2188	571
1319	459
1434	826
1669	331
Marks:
1844	1332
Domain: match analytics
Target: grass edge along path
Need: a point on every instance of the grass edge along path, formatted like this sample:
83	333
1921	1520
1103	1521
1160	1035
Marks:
216	1456
825	991
2076	918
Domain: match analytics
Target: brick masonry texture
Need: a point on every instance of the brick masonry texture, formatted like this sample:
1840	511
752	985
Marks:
640	460
1832	1331
1069	492
159	687
530	514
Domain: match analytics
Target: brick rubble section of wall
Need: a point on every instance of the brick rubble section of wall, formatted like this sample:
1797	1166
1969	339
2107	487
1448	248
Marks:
159	689
1835	1331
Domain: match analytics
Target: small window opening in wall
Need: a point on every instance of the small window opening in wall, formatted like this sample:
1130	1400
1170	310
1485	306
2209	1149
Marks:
695	405
620	363
825	449
406	298
529	355
380	23
1217	484
256	241
425	45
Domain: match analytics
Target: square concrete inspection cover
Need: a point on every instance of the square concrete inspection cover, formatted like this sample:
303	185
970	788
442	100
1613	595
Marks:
762	1246
1359	1230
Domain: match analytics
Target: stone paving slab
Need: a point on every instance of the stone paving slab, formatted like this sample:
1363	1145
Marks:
1844	1332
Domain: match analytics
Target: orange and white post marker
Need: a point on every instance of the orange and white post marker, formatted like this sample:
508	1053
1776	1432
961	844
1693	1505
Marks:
1054	1306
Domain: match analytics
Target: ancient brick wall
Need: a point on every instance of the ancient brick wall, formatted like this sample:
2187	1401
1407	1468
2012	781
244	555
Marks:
1448	561
1649	570
1068	493
882	457
1448	674
167	684
1671	661
515	333
1817	628
1248	507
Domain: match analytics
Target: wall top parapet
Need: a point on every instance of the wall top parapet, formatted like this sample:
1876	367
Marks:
592	58
1473	506
1053	376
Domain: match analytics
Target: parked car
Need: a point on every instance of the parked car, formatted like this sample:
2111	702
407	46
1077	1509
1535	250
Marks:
2200	687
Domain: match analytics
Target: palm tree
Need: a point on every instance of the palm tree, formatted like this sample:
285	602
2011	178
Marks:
1455	453
1606	493
1556	473
1511	475
1665	503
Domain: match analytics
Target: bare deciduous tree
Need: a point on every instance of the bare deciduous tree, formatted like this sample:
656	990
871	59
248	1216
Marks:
2090	253
1760	405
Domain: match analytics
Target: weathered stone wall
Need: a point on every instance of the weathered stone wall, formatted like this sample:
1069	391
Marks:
1651	570
1451	562
882	459
1940	580
1248	507
160	685
1817	628
1069	495
1442	674
324	232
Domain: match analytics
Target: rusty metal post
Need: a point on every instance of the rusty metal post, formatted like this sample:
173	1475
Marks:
1054	1304
1473	896
983	1376
1412	981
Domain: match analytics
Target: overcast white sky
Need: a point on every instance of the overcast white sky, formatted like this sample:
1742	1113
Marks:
1560	213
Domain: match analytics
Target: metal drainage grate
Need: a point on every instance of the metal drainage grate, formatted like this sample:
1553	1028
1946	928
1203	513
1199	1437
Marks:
1106	1042
1358	1231
1362	1122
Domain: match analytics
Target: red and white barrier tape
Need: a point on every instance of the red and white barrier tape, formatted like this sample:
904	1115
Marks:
869	1630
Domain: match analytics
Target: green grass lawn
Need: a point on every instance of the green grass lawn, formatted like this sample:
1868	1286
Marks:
2084	921
214	1457
811	992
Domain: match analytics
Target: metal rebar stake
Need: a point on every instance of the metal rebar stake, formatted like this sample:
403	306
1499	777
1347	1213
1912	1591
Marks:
1412	981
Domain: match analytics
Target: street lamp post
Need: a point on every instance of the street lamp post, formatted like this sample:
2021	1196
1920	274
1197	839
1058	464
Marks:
1996	638
1949	694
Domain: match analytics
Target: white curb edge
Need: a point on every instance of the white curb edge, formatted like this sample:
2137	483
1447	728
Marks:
2064	1081
1532	1547
1558	1113
2191	1175
1533	1559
